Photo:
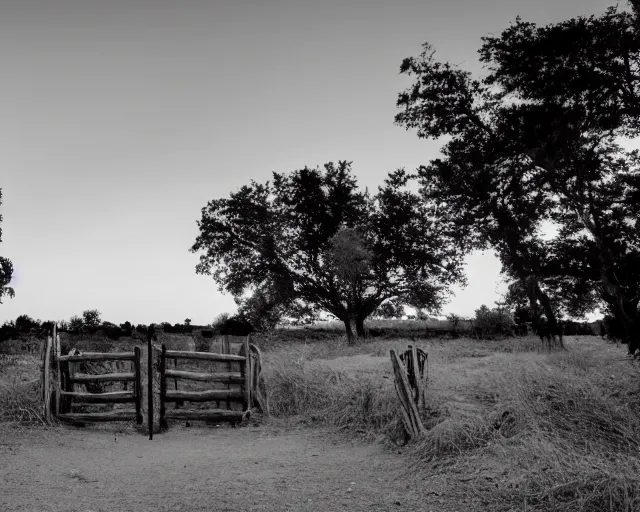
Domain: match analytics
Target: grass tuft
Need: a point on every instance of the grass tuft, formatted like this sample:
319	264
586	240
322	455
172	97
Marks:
20	390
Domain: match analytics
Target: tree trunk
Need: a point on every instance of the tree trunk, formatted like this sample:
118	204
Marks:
349	330
613	292
360	330
627	322
537	299
555	331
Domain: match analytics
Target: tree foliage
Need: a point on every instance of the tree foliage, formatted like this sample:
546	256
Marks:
389	309
76	324
534	142
6	268
311	241
91	318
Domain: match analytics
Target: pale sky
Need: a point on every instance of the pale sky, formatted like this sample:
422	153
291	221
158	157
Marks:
122	118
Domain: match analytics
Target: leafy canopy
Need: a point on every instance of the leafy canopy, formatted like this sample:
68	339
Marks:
6	268
311	241
534	142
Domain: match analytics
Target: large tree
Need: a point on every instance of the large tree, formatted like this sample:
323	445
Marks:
6	268
483	179
530	143
311	241
587	72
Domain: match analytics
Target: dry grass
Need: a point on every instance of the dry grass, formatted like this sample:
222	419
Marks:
509	426
20	389
520	428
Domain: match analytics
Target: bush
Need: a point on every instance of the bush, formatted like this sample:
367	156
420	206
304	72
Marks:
491	323
91	318
24	324
571	328
454	324
76	324
218	322
389	310
8	331
141	328
112	331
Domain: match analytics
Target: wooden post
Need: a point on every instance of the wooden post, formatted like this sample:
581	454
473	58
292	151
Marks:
259	395
46	380
175	380
56	340
150	381
226	349
247	374
163	385
417	381
138	385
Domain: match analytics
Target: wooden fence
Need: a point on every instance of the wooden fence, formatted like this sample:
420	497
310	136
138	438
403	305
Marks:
60	378
232	386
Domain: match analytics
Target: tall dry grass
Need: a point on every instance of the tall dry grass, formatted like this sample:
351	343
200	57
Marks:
20	389
523	429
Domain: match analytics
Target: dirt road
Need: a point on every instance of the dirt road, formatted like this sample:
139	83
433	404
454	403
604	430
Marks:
202	469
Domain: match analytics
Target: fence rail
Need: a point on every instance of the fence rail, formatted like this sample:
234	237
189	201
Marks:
99	356
205	356
101	398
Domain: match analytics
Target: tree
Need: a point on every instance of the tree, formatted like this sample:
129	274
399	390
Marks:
76	324
6	268
482	181
594	82
187	322
91	318
526	149
24	324
311	241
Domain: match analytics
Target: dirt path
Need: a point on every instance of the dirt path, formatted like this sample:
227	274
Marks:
202	469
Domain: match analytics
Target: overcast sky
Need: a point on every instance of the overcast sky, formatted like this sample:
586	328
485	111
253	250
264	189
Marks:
120	120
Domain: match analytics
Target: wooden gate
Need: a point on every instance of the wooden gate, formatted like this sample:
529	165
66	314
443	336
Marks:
229	385
233	384
61	376
71	399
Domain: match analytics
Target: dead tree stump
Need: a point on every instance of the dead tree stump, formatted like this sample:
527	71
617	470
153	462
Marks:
410	370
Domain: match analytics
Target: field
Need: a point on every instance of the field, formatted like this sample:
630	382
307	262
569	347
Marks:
510	428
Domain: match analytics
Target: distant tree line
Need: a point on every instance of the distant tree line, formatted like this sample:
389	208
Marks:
89	322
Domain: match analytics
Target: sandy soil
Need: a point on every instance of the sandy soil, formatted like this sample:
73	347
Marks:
204	469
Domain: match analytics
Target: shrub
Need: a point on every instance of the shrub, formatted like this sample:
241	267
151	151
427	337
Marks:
454	320
76	324
389	310
571	328
454	323
490	323
24	324
218	322
112	331
8	331
91	318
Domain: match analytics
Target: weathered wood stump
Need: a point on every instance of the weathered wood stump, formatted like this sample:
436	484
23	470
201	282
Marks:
410	370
